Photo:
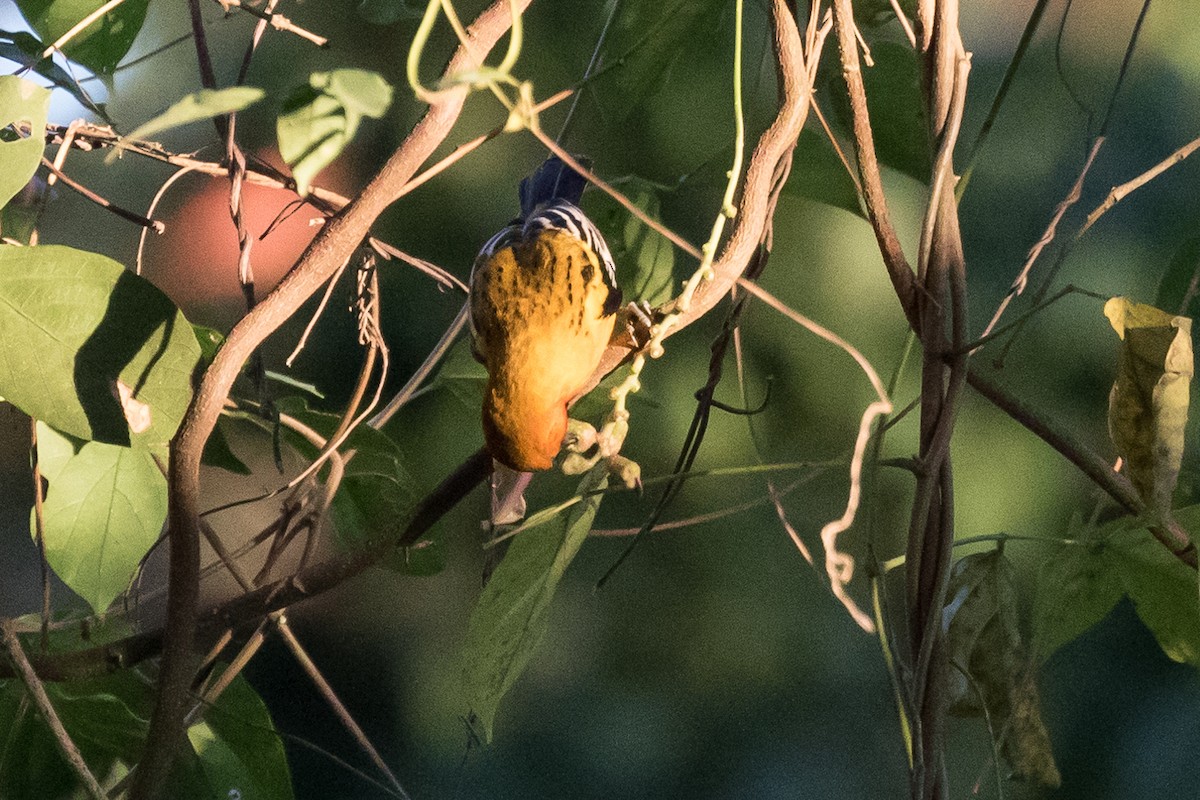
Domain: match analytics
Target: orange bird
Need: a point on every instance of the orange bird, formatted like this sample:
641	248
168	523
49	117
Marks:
543	304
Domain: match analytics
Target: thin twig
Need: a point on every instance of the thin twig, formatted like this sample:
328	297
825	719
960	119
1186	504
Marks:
80	26
1021	281
838	565
332	246
1031	25
587	73
1119	193
276	21
335	703
871	180
37	691
427	366
39	530
439	274
108	205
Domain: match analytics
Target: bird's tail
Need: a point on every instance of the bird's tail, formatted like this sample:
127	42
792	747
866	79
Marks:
553	180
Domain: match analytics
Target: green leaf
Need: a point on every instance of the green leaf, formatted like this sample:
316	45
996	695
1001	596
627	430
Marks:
104	509
92	349
1081	584
105	717
510	617
19	218
1148	405
321	118
22	47
22	103
1076	589
100	46
377	494
983	638
210	341
218	453
645	260
240	753
818	174
984	642
1163	590
1177	280
645	41
201	105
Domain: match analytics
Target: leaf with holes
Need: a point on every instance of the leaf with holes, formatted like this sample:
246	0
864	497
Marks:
22	103
320	118
92	349
101	45
104	509
510	616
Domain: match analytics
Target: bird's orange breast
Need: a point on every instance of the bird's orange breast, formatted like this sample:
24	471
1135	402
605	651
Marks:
538	308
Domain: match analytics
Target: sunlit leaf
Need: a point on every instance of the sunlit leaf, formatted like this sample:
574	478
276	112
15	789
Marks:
22	47
645	259
319	119
104	509
100	46
240	753
510	616
210	341
201	105
1148	405
92	349
22	104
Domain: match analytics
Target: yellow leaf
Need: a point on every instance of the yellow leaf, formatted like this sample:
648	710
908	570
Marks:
1148	405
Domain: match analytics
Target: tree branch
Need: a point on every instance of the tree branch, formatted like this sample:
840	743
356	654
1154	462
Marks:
332	246
774	146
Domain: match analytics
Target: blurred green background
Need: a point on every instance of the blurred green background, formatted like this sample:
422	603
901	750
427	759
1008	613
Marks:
714	664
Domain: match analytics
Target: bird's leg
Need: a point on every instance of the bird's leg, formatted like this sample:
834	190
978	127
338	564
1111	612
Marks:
634	322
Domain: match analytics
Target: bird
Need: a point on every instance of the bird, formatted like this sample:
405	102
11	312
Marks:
542	307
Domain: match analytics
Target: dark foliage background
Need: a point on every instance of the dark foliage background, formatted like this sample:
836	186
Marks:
713	664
